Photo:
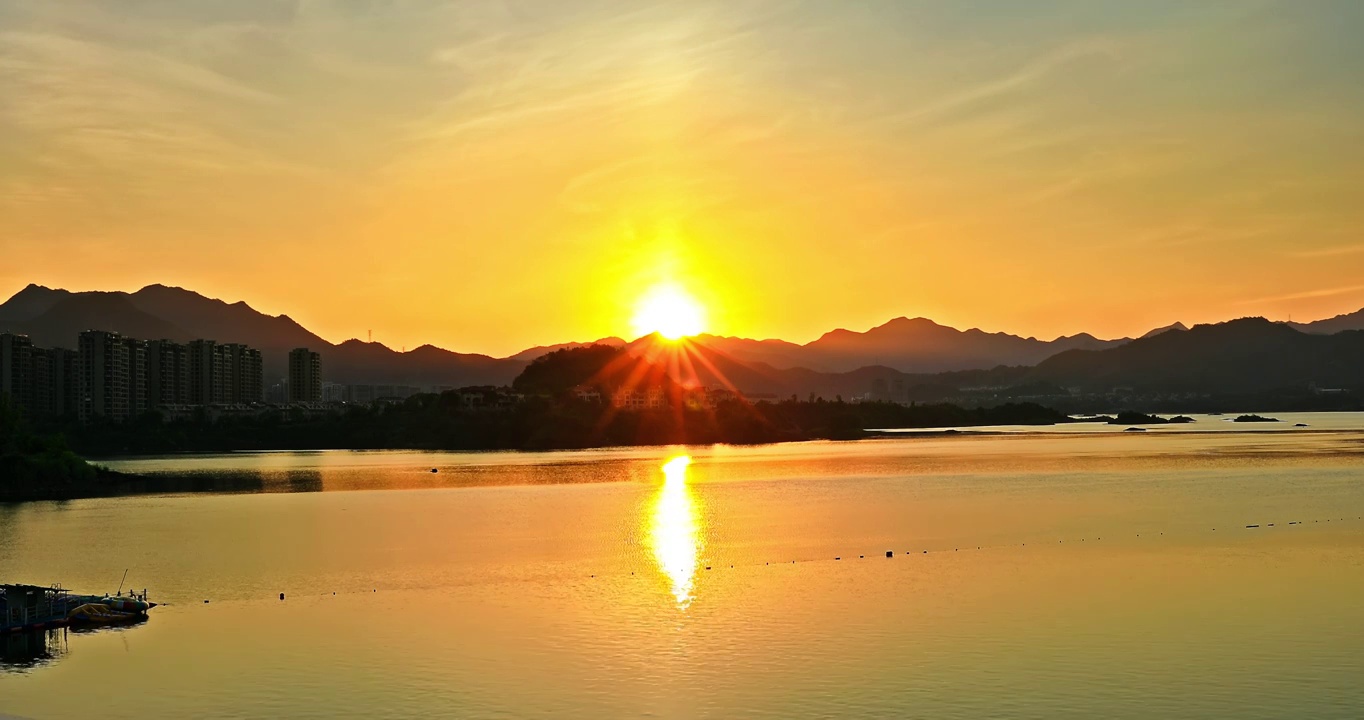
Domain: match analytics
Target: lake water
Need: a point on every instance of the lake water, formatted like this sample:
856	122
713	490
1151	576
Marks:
1036	574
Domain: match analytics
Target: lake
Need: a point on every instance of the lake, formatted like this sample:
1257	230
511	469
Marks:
1069	572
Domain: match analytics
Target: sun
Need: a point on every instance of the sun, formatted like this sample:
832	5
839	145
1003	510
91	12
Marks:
669	311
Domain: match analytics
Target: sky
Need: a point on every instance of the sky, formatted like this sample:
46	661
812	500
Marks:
488	176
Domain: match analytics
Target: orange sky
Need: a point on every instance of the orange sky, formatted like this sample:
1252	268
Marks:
486	177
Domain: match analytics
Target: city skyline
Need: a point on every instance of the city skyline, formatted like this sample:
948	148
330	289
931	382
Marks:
491	177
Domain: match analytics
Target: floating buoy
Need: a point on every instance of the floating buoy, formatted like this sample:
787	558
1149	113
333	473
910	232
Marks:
890	553
281	596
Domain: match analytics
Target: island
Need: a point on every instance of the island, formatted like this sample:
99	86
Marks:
1136	418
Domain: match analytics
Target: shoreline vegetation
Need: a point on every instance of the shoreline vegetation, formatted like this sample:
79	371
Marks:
35	466
562	401
38	466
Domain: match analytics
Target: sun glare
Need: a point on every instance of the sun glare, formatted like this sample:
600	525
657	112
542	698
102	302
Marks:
669	311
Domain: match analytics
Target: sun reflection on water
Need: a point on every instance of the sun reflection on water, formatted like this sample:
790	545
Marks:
674	530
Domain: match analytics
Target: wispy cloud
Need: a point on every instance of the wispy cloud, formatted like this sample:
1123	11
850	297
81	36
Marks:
1328	252
875	152
1305	295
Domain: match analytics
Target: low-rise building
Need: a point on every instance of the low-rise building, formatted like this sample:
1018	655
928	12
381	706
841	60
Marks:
651	398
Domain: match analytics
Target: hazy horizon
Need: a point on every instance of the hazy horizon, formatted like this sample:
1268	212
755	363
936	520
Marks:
495	176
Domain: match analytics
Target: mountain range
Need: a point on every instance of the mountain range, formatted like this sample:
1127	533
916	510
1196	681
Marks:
54	318
905	352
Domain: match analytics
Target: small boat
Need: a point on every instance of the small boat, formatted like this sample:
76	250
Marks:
98	614
136	604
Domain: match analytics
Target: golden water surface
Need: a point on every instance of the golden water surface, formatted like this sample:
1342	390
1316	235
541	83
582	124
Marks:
1042	575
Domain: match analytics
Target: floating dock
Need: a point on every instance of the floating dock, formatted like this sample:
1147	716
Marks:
33	607
27	608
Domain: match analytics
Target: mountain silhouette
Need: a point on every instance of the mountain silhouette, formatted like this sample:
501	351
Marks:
916	345
54	318
1331	326
28	303
530	354
1177	326
1239	356
59	323
920	345
915	359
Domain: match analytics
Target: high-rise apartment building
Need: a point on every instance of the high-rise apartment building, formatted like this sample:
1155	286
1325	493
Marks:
250	376
102	376
54	382
167	373
115	377
137	376
305	376
16	369
205	373
243	374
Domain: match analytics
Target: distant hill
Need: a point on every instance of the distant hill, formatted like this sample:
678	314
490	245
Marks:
1331	326
915	359
916	345
54	318
530	354
58	324
28	303
1240	356
1179	326
920	345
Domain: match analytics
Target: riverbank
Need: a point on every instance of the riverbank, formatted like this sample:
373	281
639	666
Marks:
49	471
25	478
439	422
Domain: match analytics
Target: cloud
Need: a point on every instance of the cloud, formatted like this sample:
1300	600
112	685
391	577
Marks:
1305	295
1028	75
1329	252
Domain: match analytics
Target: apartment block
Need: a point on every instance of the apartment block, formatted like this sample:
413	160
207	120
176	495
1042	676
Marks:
137	376
102	376
167	373
305	376
54	382
16	369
